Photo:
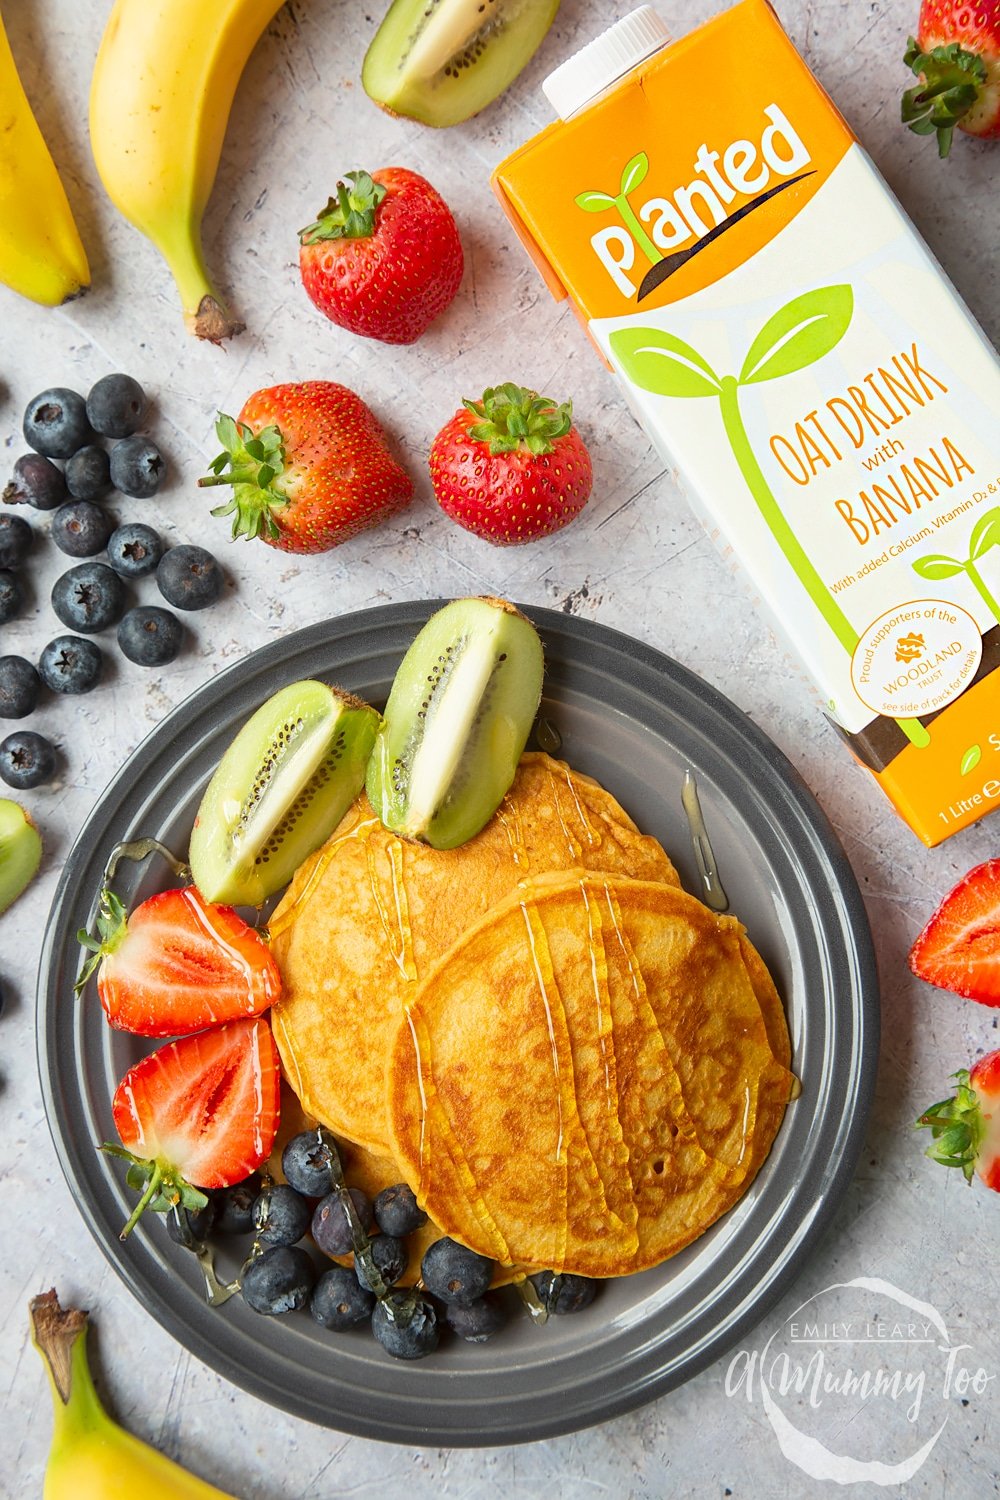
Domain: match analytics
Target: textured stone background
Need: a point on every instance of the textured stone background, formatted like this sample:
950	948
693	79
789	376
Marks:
637	560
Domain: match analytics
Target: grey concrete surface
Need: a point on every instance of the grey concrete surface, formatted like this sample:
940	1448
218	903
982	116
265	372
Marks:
636	560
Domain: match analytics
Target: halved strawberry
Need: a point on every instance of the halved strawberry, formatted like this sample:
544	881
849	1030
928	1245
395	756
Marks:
201	1112
959	949
177	964
966	1128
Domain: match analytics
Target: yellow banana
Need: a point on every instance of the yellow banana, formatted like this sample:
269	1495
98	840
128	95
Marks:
41	255
163	86
91	1457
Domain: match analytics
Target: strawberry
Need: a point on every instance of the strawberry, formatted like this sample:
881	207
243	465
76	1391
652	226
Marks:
309	466
177	964
966	1128
511	467
959	949
200	1113
384	257
956	56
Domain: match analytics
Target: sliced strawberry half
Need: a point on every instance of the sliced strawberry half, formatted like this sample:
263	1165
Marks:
959	949
966	1127
200	1113
177	964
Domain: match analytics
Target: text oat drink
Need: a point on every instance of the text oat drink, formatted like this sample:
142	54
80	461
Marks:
786	339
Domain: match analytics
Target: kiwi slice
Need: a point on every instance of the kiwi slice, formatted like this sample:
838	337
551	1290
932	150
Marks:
459	714
279	791
441	61
20	851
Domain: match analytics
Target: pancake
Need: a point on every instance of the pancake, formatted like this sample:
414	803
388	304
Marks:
586	1080
367	916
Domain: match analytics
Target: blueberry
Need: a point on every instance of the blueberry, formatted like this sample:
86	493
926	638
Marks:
88	473
454	1273
19	687
406	1325
150	636
55	423
234	1206
116	406
36	481
390	1256
15	539
137	467
11	595
71	664
89	598
480	1320
26	760
563	1292
134	550
331	1228
189	578
280	1215
81	528
187	1227
397	1211
279	1281
305	1162
339	1301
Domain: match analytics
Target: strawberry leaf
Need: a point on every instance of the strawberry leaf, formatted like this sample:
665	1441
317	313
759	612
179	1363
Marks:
512	418
351	214
952	81
957	1126
252	463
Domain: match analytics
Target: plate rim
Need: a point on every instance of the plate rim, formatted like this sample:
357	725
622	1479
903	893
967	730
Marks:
647	1384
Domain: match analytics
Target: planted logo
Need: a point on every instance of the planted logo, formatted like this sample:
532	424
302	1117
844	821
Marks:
667	230
795	337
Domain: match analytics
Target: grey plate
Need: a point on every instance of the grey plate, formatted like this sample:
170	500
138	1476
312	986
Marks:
635	720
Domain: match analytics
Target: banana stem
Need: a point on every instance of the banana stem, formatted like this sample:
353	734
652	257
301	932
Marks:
796	555
205	313
59	1335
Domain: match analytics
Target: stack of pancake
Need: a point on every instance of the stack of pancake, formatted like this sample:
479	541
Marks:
573	1063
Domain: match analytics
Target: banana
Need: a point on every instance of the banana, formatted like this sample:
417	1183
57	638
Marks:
41	255
162	89
91	1457
20	851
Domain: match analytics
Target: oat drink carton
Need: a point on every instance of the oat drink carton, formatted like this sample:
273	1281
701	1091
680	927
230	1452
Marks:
788	342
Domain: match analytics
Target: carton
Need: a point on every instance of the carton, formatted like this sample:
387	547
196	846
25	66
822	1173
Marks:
788	342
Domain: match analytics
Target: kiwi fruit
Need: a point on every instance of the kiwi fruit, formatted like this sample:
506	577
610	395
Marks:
441	61
20	851
279	791
459	713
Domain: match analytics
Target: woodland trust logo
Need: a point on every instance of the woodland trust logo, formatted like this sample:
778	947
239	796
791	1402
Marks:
863	1367
701	209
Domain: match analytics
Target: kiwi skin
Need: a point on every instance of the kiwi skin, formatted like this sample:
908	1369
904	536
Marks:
279	791
441	61
20	851
459	714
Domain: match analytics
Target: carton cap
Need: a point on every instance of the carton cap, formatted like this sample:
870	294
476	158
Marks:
607	58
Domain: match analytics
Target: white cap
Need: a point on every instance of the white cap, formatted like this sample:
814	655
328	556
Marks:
608	57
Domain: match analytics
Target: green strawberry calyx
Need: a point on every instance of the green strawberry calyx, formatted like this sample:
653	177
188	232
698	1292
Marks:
957	1126
112	925
512	418
160	1185
351	214
253	463
951	80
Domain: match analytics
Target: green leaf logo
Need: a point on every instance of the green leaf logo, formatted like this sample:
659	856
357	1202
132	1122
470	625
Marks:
985	534
971	759
634	172
937	565
594	202
798	334
662	363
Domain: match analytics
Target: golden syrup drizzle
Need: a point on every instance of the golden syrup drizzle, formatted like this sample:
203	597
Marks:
319	869
395	924
712	892
545	977
547	737
434	1123
509	817
586	829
